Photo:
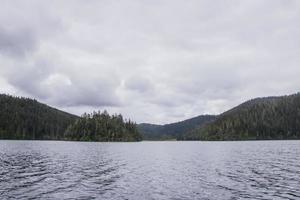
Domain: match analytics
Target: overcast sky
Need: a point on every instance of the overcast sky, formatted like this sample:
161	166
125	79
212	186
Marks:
155	61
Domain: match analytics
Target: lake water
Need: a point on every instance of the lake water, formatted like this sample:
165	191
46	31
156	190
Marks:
150	170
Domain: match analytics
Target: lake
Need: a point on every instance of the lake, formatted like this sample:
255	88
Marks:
150	170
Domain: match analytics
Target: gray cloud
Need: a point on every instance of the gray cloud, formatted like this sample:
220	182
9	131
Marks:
16	42
138	84
45	82
154	61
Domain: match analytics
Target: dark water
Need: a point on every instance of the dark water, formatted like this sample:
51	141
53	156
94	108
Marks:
150	170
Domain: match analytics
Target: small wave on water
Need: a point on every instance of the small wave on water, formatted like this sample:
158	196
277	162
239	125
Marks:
149	170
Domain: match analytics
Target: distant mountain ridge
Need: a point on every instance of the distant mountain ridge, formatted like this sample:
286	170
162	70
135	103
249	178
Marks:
172	130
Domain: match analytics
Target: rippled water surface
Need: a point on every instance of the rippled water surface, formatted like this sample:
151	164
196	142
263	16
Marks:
150	170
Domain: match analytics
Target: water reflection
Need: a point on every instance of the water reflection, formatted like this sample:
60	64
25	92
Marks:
149	170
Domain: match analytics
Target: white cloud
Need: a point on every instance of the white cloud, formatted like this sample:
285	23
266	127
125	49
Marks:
154	61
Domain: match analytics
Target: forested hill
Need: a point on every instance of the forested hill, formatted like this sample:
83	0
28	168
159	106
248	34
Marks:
261	118
24	118
173	130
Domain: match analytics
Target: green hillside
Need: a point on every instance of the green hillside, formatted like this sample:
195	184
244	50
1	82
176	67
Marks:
257	119
24	118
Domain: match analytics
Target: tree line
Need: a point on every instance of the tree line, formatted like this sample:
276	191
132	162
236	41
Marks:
25	118
100	126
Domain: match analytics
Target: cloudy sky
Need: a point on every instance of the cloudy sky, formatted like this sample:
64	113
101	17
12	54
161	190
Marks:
155	61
